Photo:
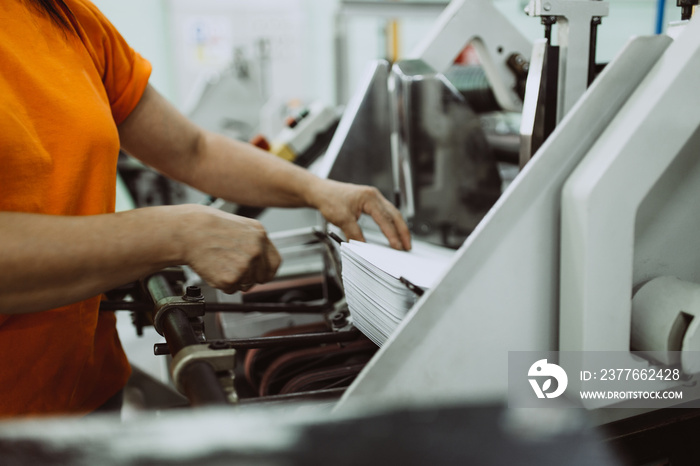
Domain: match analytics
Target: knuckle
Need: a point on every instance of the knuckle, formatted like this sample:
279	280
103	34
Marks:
372	193
258	227
228	278
254	251
370	190
388	215
276	260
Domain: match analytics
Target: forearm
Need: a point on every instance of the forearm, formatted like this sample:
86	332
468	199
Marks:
160	136
244	174
48	261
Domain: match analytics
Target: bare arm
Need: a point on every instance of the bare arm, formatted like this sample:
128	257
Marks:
159	135
49	261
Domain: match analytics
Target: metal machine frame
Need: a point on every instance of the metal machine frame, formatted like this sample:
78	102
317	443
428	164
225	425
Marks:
502	292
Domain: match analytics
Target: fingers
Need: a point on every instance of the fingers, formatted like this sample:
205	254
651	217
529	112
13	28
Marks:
231	253
343	203
404	232
352	230
266	264
262	268
390	222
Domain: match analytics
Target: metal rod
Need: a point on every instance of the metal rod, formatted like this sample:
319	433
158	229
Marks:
201	386
548	21
270	307
313	395
268	342
226	307
177	330
293	340
198	379
159	288
595	22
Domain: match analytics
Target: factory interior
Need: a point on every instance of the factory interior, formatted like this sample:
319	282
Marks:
540	153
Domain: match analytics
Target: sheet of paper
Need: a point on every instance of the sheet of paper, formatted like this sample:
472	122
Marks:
377	299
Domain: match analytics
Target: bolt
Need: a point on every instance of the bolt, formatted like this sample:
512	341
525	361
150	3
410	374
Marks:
339	319
218	345
193	293
547	7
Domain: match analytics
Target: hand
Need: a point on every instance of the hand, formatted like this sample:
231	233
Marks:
343	203
229	252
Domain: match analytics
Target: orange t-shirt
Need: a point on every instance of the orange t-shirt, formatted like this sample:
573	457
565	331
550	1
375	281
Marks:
62	95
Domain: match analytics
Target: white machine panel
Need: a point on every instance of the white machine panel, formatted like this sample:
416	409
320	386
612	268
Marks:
502	290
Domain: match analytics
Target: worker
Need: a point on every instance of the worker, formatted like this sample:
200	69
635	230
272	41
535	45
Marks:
72	92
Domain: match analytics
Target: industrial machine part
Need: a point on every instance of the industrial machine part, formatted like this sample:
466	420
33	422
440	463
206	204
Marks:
294	364
664	324
577	22
195	370
307	135
653	222
360	149
302	436
584	258
447	178
446	175
686	8
538	118
495	39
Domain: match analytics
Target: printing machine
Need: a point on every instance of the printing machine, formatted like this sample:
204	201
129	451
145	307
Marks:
590	247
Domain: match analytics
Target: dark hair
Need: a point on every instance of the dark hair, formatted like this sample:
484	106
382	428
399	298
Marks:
57	10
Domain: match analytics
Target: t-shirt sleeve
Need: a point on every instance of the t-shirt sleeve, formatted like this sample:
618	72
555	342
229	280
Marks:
124	72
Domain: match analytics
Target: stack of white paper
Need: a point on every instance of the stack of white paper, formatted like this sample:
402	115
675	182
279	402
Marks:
376	297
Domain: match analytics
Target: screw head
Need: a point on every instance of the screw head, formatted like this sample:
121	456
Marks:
218	345
193	292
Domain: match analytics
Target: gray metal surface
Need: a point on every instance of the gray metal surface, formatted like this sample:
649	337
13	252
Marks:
493	36
533	101
360	151
630	209
446	175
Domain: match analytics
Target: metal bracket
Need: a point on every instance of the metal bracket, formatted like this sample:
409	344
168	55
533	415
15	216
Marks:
574	21
194	308
686	8
493	36
220	359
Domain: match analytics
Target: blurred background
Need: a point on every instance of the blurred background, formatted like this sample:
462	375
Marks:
302	51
